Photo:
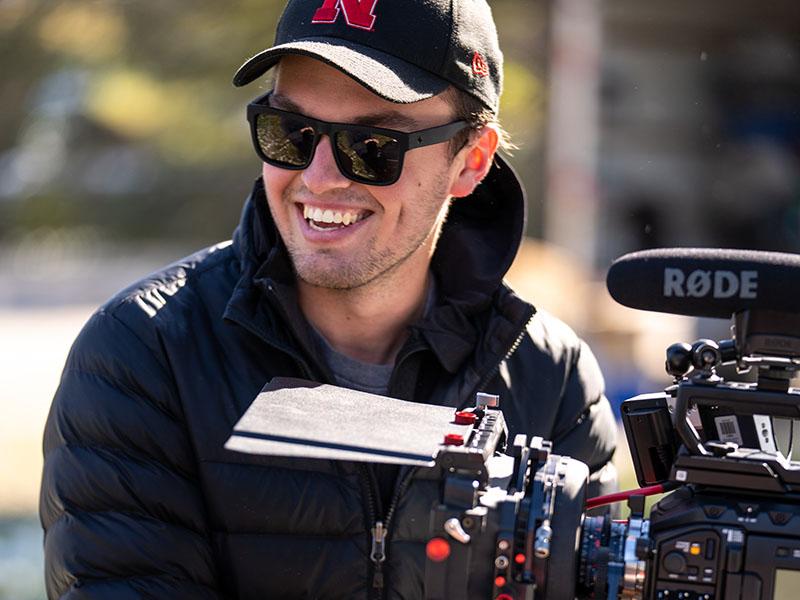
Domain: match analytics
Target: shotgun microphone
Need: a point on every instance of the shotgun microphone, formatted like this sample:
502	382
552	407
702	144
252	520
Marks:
706	282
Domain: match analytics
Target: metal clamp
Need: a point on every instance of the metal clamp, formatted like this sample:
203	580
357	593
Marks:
454	529
483	400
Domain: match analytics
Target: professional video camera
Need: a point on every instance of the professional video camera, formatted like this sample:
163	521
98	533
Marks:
511	522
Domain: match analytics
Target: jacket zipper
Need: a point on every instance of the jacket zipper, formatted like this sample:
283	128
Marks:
378	554
513	348
380	529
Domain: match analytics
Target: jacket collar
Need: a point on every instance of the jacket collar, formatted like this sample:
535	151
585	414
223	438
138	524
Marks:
476	248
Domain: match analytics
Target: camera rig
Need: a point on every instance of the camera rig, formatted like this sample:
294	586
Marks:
510	520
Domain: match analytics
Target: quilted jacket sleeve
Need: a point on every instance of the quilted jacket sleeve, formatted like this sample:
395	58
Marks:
120	503
585	427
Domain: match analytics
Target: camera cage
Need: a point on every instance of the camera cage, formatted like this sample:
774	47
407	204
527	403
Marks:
666	445
516	505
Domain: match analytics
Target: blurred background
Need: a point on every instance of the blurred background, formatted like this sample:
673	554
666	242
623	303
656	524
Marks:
123	146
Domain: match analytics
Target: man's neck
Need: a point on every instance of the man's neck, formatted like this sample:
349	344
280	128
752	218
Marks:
370	323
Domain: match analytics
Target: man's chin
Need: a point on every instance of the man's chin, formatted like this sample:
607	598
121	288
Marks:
334	278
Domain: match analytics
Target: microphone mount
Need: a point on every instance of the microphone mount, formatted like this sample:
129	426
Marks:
770	341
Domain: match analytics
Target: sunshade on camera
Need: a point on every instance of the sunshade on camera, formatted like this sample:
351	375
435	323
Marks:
297	418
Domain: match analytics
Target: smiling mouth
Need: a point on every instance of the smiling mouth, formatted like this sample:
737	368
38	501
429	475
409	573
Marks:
327	219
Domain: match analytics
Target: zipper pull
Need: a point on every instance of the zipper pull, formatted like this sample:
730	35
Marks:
378	537
378	554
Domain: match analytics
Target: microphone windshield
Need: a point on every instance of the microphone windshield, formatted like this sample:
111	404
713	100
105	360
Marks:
706	282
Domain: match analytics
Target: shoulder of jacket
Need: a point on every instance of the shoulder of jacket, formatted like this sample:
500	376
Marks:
155	297
553	337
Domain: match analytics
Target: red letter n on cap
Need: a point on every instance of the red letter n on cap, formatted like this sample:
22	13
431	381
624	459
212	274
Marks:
357	13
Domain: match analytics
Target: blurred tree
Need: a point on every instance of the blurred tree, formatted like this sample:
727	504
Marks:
117	111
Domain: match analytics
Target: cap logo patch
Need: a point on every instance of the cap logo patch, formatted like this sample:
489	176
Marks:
357	13
479	66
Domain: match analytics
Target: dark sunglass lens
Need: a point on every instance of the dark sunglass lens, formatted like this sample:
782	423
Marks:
369	157
285	140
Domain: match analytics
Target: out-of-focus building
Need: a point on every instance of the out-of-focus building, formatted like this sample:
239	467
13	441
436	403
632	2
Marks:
676	123
669	123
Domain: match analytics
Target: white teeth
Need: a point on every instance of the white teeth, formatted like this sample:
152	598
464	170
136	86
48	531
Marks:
329	216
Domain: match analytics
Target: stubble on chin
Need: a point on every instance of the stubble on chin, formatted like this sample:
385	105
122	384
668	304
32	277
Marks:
324	268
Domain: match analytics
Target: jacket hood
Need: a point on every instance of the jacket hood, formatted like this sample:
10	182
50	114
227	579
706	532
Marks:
478	243
482	235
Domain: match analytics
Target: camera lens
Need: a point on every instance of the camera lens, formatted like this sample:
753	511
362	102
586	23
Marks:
604	560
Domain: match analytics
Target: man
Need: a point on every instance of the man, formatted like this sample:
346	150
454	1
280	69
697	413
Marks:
370	254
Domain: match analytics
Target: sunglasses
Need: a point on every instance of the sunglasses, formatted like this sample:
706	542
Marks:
364	154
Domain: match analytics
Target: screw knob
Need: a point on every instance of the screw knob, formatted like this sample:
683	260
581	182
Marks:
705	354
453	439
679	359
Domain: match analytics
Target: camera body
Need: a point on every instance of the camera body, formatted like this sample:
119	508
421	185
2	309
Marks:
732	530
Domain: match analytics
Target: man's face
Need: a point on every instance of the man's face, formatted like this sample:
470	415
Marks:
392	229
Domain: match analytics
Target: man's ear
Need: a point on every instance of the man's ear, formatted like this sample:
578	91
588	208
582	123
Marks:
476	160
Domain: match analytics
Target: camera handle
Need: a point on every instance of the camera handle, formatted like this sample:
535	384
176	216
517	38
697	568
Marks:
766	340
685	429
743	400
702	358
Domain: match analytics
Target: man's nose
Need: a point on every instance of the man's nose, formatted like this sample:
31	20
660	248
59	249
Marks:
323	174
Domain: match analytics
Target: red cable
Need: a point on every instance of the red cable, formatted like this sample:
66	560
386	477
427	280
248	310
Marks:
621	496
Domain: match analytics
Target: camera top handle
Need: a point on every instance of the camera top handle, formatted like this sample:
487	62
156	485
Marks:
766	340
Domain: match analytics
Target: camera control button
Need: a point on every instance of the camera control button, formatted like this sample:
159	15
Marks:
713	511
465	417
711	546
779	517
747	509
675	562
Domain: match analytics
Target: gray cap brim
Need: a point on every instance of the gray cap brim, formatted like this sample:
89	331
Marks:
385	75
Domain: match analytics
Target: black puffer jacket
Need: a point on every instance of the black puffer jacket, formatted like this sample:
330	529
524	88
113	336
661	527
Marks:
140	499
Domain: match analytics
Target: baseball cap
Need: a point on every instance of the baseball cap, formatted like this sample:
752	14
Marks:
402	50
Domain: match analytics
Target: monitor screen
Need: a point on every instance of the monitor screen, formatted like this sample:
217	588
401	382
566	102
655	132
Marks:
787	584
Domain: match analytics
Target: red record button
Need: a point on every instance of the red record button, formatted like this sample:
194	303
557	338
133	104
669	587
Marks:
464	417
437	549
453	439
